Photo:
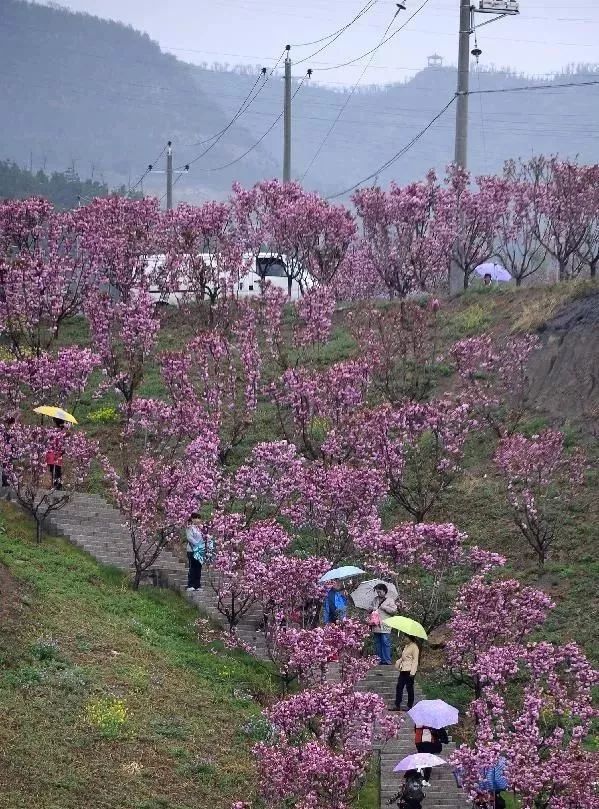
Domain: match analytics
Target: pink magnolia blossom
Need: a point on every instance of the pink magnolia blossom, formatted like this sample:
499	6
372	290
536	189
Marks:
44	276
332	503
23	457
203	253
535	710
400	342
473	215
538	473
407	240
492	613
315	312
494	378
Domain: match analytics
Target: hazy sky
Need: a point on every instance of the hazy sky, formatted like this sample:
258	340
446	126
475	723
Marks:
546	36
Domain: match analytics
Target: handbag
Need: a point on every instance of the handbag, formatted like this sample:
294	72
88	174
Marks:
374	619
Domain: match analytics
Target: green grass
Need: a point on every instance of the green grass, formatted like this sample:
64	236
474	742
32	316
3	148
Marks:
369	795
74	635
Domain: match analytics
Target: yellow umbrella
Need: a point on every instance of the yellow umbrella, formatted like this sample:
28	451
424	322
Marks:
55	413
406	625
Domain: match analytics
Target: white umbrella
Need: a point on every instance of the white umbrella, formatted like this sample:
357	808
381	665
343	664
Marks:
364	594
345	572
496	271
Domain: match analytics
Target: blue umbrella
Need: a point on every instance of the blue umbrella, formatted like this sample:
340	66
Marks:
494	779
341	573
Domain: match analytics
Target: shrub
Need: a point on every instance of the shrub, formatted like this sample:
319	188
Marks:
108	715
104	415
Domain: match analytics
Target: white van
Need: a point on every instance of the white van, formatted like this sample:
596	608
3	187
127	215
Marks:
264	267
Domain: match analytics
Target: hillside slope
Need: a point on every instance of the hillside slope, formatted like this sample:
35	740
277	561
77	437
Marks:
378	121
99	96
77	648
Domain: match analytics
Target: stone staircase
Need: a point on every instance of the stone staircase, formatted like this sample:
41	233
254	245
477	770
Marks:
92	524
443	792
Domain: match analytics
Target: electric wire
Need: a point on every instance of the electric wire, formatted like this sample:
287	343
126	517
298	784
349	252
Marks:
345	104
383	42
261	138
339	31
534	87
337	35
398	154
240	112
149	169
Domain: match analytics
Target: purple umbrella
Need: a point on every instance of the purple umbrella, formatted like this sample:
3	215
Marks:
418	761
433	713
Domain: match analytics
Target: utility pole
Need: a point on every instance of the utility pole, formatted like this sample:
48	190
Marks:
461	120
169	176
287	119
498	9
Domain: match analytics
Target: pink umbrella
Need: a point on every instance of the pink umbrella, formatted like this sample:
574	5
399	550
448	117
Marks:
418	761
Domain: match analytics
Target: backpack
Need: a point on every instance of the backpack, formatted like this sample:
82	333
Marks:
413	791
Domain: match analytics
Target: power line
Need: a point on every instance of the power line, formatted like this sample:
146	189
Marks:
149	168
261	138
336	36
347	100
534	87
383	42
239	112
397	155
339	31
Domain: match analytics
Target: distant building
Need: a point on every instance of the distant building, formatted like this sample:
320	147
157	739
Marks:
435	60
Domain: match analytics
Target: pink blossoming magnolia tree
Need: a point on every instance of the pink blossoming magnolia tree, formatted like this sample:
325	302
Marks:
491	614
320	747
405	234
203	253
166	471
23	459
474	215
308	235
401	344
44	276
423	560
417	447
539	477
219	371
535	710
494	378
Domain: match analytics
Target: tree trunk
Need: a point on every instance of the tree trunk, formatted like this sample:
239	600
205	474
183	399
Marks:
518	281
39	530
593	267
137	577
289	285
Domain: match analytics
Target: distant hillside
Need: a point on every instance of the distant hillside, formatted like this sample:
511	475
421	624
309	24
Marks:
81	92
100	98
379	121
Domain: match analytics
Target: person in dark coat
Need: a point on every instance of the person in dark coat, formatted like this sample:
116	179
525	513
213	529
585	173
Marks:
430	740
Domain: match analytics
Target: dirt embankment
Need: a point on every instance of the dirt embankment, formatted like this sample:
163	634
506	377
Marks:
564	375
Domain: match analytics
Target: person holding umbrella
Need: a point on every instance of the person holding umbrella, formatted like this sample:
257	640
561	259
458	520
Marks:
431	717
335	603
382	607
407	665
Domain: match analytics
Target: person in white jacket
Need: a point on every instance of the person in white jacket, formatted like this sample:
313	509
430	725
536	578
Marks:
383	607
